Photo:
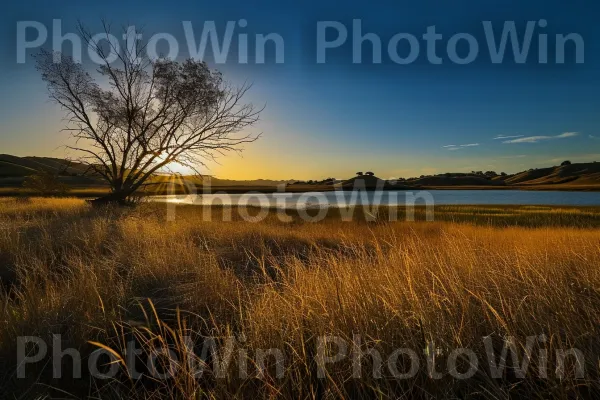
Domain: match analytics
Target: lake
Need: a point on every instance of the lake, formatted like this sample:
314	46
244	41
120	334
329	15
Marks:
392	197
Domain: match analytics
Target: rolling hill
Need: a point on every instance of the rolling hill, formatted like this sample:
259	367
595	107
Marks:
13	170
574	174
582	176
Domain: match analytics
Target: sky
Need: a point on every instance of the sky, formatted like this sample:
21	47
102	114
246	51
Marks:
395	118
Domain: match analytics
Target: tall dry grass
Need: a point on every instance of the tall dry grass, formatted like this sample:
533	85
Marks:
112	275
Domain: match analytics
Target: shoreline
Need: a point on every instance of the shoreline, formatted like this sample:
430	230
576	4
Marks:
87	192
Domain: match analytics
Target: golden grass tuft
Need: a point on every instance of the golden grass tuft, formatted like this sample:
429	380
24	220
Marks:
103	276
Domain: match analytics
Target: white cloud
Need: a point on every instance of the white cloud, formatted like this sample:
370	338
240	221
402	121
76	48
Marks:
460	146
517	156
529	139
507	137
536	139
594	137
567	134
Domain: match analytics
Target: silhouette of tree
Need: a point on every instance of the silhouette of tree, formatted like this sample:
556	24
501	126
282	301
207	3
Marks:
567	162
359	173
369	173
146	114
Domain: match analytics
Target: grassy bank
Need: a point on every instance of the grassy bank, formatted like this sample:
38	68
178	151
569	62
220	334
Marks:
115	275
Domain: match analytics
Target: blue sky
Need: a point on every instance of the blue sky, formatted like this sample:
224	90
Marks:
336	118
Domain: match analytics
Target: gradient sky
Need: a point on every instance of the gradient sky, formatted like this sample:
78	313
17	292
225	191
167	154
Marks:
336	118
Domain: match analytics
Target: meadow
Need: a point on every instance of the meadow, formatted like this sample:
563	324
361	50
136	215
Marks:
289	298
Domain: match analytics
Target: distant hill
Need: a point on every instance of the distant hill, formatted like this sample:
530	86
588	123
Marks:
582	176
467	180
574	174
13	166
199	180
13	171
366	181
577	176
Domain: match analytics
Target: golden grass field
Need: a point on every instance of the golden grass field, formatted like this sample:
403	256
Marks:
112	275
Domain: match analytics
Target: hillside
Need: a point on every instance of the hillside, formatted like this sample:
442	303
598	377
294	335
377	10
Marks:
13	171
13	166
363	181
574	174
582	176
468	180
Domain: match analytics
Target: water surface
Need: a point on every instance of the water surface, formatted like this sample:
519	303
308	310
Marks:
392	197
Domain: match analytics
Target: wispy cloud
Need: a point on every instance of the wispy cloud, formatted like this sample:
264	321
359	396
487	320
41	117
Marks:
567	134
460	146
517	156
536	139
507	137
529	139
594	137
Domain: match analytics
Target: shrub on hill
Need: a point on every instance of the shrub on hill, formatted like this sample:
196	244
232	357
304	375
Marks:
45	184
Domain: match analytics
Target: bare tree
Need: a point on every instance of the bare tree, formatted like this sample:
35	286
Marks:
148	114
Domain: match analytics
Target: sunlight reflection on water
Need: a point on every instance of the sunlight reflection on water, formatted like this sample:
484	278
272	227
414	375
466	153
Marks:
388	198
